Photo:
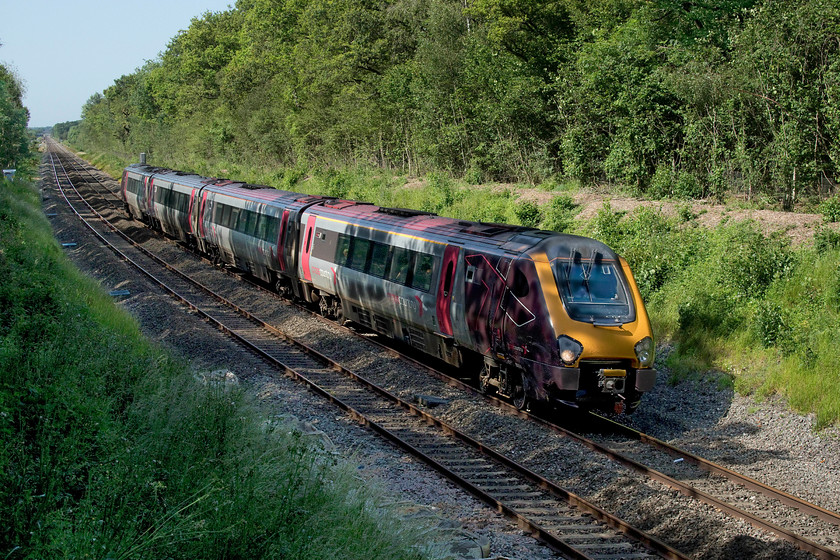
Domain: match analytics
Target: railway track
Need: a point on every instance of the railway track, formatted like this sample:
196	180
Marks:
564	521
779	521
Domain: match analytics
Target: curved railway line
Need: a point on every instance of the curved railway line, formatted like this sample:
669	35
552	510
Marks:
560	518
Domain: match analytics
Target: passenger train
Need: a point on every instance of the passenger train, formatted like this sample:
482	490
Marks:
536	316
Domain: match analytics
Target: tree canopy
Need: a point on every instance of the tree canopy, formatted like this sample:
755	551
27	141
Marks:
672	98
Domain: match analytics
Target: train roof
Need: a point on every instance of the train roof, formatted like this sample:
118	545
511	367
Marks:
237	189
478	235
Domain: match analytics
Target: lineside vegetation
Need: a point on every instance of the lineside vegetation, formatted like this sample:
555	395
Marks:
113	449
663	97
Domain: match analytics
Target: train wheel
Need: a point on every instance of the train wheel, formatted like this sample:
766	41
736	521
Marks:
324	307
484	384
485	376
519	396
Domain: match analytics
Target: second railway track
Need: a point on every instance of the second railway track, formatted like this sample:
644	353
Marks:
817	549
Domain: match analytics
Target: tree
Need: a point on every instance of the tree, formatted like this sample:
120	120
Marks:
14	118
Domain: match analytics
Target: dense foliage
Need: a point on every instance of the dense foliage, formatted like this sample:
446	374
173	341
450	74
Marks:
61	131
113	449
671	98
14	141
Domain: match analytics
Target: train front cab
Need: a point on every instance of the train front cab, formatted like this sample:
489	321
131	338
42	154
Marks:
603	350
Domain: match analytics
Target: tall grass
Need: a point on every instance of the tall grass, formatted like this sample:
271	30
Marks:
112	448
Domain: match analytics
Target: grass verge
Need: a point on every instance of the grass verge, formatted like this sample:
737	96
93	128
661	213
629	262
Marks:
113	449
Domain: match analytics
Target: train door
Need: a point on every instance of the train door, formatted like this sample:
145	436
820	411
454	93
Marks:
446	286
149	202
306	272
281	242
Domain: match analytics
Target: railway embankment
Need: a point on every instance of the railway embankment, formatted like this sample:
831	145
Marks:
114	448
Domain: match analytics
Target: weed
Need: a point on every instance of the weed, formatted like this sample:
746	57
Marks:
528	214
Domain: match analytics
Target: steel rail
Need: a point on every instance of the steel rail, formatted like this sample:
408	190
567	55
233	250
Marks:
711	467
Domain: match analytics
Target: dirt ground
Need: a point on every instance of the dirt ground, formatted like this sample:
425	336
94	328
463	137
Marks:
798	226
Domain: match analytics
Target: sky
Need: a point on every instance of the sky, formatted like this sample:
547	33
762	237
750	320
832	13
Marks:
64	51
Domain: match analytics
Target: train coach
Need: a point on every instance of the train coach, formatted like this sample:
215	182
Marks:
536	316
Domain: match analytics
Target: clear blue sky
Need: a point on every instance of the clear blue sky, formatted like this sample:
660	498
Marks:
64	51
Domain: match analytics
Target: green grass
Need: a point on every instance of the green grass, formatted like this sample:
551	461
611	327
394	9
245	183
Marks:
114	449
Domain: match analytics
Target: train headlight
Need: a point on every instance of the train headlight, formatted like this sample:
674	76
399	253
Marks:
644	352
570	349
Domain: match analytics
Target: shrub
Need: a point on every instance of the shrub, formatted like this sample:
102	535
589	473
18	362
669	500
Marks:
830	209
528	214
559	215
687	186
826	239
748	261
770	325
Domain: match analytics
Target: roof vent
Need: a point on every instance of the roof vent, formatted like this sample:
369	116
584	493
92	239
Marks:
404	212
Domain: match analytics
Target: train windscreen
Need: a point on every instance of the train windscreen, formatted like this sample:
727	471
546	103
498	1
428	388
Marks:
594	290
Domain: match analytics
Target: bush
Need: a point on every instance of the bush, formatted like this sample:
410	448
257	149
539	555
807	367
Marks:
830	209
559	215
770	324
528	214
826	239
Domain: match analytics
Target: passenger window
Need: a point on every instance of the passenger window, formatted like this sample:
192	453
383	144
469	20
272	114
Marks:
272	229
251	224
262	226
234	218
422	277
379	259
400	265
359	254
342	250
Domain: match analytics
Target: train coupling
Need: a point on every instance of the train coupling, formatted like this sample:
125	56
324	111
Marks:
612	380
